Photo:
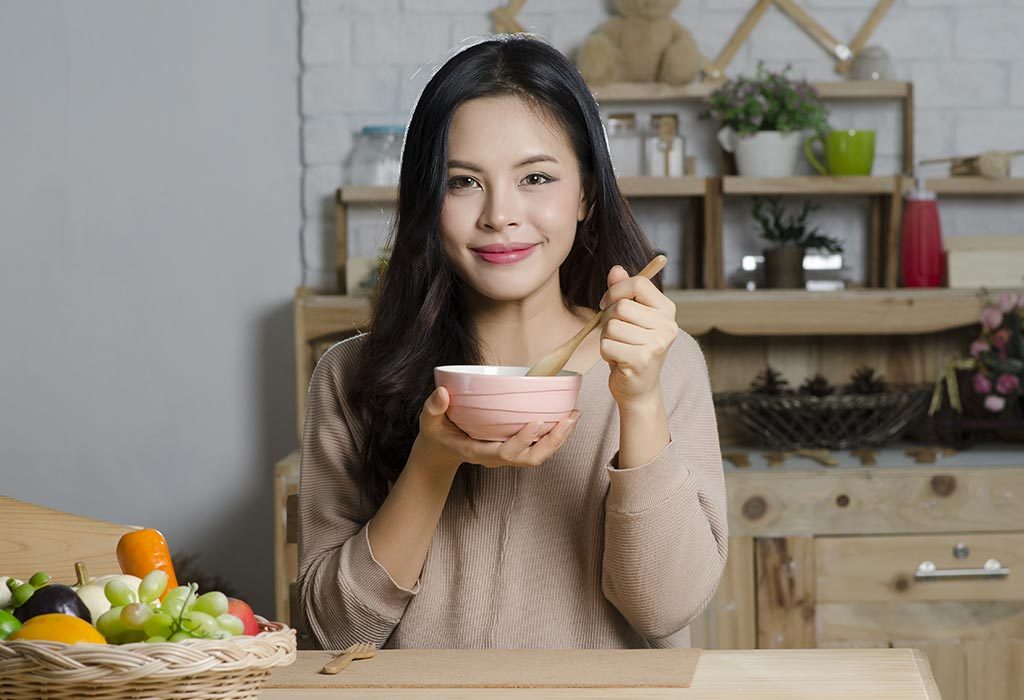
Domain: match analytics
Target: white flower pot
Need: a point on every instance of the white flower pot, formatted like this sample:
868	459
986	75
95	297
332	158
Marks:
765	153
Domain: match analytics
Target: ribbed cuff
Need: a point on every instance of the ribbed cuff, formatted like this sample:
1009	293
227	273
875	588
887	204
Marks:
370	582
642	488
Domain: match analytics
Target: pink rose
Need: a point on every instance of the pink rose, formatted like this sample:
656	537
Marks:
991	318
982	385
1008	302
979	348
994	403
1007	384
1001	338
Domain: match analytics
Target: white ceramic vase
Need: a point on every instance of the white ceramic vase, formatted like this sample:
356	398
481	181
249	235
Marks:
764	153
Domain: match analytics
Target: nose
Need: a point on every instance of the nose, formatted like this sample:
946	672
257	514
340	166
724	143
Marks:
501	209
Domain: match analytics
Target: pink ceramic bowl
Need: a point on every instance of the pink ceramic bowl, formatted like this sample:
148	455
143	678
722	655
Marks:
494	403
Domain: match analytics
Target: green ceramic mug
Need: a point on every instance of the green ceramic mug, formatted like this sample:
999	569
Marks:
849	152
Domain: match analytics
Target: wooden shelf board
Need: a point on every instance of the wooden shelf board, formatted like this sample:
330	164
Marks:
686	186
851	312
739	312
969	186
808	185
329	314
367	194
698	92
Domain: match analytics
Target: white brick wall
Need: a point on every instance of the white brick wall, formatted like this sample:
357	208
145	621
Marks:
365	61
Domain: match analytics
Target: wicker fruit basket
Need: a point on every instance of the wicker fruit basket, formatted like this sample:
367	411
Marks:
834	422
195	668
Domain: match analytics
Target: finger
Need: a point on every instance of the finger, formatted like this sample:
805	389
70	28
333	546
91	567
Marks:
549	444
438	401
520	442
618	352
639	288
617	274
637	314
624	332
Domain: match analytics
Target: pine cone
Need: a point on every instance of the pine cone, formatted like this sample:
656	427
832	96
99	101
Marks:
865	381
769	382
817	386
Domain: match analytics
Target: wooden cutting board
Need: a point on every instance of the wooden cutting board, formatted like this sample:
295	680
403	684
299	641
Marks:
498	668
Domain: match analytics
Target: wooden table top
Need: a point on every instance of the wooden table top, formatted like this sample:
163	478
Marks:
782	674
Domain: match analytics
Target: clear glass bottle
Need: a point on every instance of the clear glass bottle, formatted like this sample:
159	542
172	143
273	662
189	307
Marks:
665	148
377	155
625	144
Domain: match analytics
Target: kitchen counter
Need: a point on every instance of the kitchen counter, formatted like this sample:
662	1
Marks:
782	674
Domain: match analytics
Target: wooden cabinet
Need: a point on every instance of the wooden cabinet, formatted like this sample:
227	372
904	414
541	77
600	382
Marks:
834	557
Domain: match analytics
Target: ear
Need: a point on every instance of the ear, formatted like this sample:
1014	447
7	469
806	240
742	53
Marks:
585	206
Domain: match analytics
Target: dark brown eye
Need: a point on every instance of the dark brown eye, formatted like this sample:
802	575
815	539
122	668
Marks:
460	183
536	179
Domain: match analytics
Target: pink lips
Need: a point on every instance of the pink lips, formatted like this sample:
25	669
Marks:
499	254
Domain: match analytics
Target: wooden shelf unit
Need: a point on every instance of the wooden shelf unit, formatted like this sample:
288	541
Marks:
699	190
884	192
843	90
702	229
323	319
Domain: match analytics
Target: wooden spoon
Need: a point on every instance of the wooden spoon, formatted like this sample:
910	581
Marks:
363	650
552	363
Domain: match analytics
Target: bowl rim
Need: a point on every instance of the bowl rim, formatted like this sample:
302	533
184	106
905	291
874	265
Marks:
473	371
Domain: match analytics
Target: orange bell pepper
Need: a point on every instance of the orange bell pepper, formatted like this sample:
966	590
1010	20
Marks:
141	551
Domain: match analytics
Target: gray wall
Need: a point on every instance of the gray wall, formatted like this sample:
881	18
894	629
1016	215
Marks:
149	219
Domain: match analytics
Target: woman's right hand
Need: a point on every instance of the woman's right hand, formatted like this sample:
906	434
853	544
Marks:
441	442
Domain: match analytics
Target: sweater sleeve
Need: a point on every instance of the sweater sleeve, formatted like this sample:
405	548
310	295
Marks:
346	595
666	532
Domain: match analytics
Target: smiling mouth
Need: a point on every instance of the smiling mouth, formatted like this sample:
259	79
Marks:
505	254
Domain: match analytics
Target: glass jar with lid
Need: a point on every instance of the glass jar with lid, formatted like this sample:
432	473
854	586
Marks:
665	152
377	155
625	144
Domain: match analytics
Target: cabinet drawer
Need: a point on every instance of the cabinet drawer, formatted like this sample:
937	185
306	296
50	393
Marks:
851	569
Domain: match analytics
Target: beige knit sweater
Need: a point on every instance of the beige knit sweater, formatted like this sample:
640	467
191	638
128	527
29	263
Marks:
573	554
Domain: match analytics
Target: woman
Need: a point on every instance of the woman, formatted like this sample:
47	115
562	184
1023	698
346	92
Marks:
609	531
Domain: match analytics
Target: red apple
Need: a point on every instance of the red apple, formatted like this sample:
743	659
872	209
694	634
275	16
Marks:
243	612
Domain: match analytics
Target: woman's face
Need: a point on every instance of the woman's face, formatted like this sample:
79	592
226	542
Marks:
513	198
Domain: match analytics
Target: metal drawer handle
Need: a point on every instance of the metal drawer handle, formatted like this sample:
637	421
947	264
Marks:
926	570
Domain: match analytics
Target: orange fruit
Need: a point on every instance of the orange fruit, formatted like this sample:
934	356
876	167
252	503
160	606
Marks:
56	627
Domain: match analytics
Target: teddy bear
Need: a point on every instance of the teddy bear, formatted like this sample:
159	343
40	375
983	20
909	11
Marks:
643	45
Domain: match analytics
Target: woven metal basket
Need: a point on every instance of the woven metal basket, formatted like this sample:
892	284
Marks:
841	422
232	668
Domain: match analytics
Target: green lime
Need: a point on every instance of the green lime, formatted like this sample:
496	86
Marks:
9	624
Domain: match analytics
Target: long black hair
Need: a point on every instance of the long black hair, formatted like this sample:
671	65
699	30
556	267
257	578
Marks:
418	321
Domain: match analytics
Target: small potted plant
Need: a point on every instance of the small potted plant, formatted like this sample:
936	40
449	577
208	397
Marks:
998	355
763	119
985	390
790	236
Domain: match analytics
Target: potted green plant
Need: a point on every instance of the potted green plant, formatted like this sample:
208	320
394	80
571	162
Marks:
763	119
790	236
985	390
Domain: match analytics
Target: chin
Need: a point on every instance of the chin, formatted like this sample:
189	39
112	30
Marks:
512	290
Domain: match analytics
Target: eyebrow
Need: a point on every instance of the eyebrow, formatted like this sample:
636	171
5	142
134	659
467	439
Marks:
539	158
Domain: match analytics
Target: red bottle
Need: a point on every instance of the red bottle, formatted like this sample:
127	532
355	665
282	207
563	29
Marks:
922	239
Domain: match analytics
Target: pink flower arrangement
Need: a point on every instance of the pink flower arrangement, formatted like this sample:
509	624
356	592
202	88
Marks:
999	352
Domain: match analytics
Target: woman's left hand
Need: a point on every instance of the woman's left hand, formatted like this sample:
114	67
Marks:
640	328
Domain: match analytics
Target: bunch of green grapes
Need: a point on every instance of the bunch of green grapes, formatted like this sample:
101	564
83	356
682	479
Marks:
181	615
